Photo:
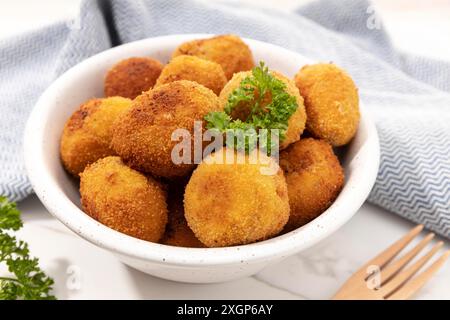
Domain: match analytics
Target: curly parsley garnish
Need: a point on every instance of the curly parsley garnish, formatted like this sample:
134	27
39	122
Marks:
29	281
269	107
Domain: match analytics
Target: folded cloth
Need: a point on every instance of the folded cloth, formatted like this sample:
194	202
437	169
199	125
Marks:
407	95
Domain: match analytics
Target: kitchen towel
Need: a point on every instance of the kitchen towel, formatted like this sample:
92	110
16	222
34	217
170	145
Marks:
407	95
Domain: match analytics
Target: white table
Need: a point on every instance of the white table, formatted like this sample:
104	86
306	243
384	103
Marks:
84	271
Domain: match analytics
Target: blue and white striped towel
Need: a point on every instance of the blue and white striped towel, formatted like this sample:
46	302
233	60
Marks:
408	95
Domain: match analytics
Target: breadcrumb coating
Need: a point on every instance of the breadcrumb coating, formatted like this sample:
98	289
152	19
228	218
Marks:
87	134
234	203
124	199
204	72
142	137
177	231
331	101
130	77
314	179
227	50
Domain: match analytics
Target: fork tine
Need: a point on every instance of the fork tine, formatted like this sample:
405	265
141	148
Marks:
418	282
403	276
387	255
399	264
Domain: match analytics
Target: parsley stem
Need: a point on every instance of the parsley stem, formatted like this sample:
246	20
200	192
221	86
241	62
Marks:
9	279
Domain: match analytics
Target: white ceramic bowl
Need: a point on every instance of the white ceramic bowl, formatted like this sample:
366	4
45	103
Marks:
59	193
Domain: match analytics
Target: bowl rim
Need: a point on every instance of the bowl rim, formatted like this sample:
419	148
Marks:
60	206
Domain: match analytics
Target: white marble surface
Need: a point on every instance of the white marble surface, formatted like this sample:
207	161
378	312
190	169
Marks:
84	271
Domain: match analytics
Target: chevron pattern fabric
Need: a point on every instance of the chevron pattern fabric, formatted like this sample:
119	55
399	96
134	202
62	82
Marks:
414	176
408	96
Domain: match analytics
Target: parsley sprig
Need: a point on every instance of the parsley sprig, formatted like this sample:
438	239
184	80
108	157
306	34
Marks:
269	107
29	281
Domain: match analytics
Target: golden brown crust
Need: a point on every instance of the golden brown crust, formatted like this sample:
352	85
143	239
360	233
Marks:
204	72
130	77
76	120
177	231
314	179
331	101
296	124
142	137
87	134
227	50
124	199
234	203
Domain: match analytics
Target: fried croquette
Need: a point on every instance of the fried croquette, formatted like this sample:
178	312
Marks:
130	77
204	72
331	101
234	202
314	179
177	231
227	50
124	199
296	123
143	136
87	134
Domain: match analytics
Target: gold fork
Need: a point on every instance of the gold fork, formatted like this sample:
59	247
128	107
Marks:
382	279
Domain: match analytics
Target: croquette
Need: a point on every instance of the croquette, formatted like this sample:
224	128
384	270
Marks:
297	121
177	231
331	101
143	136
236	202
314	179
87	134
124	199
204	72
148	168
130	77
227	50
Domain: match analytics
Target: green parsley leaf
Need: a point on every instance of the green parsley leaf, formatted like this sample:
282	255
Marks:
9	215
270	107
29	281
217	120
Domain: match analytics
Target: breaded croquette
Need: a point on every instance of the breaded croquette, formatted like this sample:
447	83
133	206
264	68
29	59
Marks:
204	72
124	199
227	50
331	101
87	134
314	179
143	136
297	121
236	202
130	77
178	232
